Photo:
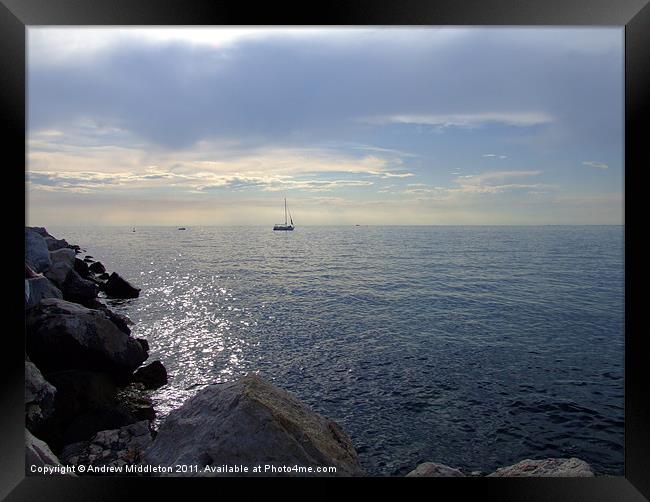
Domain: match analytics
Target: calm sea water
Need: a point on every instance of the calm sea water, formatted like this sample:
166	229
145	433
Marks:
472	346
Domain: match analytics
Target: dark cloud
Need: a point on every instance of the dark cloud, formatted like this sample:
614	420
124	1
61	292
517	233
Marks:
296	91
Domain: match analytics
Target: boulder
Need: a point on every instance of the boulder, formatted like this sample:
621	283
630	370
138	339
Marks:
152	376
77	289
81	267
83	427
433	470
38	454
58	273
36	253
116	287
116	447
54	244
120	320
41	288
145	344
63	255
63	335
250	422
40	231
550	467
39	397
104	276
79	391
97	267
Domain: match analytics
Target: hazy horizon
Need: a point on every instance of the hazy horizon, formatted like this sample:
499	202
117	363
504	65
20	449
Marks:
372	126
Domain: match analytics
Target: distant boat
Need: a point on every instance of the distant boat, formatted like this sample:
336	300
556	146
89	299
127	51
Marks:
182	228
280	226
134	229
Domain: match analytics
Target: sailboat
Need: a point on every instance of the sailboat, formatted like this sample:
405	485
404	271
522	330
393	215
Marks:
280	226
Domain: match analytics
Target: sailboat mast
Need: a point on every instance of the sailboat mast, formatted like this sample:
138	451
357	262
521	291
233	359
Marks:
285	211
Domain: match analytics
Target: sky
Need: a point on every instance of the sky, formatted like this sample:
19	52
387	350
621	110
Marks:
374	125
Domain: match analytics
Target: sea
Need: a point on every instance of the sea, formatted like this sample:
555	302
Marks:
472	346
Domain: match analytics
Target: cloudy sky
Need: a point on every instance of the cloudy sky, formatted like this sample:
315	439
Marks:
215	126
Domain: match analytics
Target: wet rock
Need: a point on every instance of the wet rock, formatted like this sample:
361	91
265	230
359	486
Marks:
550	467
54	244
63	335
434	470
36	253
134	399
97	267
41	288
39	397
144	343
104	276
58	273
152	376
77	289
117	287
250	422
116	447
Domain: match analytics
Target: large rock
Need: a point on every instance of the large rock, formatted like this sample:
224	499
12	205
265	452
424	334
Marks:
77	289
152	376
41	288
54	244
58	273
550	467
251	422
120	320
135	400
38	456
116	448
39	397
433	470
81	267
116	287
97	267
36	253
63	255
63	335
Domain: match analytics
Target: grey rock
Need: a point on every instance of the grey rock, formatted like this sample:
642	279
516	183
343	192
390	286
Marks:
116	447
63	255
39	397
36	253
54	244
152	376
58	273
38	454
550	467
64	335
117	287
41	288
251	422
434	470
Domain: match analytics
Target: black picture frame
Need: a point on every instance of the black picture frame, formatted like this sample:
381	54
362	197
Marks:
634	15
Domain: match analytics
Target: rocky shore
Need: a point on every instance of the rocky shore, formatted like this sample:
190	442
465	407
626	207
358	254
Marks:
88	409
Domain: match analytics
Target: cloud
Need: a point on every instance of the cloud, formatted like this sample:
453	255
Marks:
467	120
598	165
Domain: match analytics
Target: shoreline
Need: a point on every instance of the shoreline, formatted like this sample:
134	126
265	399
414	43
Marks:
103	377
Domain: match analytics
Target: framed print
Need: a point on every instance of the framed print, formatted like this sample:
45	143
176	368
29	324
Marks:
369	240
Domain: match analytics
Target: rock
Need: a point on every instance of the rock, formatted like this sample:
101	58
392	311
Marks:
54	244
58	273
550	467
120	320
38	454
81	267
63	255
79	391
104	276
39	397
86	425
433	470
134	399
144	343
116	287
40	231
41	288
152	376
63	335
36	253
88	259
77	289
97	267
250	422
116	447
